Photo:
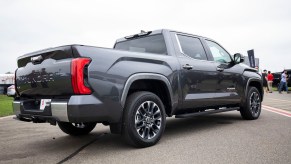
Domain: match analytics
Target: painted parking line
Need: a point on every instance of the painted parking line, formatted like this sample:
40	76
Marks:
274	101
276	110
278	105
279	100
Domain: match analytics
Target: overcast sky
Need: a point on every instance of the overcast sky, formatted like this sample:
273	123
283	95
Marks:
238	25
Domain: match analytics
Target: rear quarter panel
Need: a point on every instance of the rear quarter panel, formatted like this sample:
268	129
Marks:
110	69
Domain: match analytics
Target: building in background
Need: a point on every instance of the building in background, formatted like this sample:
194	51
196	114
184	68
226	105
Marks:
6	80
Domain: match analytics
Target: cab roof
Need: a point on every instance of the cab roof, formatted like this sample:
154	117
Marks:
159	31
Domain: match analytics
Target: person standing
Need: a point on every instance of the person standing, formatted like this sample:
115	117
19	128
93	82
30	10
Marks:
287	79
264	77
270	78
283	82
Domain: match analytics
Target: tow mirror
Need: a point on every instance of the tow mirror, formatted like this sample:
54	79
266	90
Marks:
238	58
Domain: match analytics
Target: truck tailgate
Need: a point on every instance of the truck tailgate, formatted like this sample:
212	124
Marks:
45	73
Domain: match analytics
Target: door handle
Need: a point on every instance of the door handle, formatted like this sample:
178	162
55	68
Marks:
219	69
187	66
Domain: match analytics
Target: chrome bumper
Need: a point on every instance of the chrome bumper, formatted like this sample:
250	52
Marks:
59	110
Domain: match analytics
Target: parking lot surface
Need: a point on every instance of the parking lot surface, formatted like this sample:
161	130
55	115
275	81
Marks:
218	138
281	101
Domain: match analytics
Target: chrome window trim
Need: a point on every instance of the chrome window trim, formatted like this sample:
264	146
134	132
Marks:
179	44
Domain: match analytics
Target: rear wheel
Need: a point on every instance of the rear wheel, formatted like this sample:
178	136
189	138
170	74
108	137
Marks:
76	129
144	119
251	109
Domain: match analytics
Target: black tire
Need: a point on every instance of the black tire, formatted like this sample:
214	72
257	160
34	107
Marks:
251	109
75	129
144	119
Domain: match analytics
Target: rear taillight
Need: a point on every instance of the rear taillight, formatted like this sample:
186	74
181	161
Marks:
77	71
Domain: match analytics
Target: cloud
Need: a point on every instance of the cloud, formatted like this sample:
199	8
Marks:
30	25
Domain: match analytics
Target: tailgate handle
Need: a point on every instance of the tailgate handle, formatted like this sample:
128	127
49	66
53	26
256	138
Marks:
36	59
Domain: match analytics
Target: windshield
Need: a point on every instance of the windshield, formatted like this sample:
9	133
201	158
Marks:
150	44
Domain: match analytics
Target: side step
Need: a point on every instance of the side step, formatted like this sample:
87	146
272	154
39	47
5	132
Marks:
188	115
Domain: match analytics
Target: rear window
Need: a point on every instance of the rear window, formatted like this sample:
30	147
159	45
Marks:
150	44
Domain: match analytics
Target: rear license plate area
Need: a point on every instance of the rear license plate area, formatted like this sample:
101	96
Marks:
45	103
37	107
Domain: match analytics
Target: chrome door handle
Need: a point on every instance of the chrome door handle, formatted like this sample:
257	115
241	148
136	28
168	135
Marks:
187	66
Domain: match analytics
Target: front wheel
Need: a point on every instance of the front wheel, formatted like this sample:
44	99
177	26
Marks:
76	129
144	119
251	109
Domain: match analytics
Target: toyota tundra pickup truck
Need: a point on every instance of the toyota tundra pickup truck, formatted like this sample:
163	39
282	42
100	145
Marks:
133	87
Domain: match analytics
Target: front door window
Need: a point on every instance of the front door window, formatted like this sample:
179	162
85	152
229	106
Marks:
218	53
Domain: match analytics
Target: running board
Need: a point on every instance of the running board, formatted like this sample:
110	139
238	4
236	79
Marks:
187	115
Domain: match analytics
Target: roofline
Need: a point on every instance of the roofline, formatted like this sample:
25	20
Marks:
152	33
167	30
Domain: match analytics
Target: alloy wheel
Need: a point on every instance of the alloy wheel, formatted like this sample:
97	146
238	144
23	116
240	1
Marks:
148	120
255	102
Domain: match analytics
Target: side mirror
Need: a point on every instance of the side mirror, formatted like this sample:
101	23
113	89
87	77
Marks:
238	58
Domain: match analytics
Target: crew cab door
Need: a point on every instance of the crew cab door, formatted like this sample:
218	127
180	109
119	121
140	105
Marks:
198	75
229	79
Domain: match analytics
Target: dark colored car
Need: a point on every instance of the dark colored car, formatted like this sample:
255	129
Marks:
133	88
277	78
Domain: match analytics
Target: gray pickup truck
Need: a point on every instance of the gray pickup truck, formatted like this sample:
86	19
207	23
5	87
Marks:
133	87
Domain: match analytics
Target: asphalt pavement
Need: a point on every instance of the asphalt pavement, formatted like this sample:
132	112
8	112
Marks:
218	138
281	101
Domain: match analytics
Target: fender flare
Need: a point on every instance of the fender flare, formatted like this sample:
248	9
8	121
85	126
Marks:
248	83
145	76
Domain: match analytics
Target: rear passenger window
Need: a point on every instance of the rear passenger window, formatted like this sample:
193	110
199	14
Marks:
192	47
150	44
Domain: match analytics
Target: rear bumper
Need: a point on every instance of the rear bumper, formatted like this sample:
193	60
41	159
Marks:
79	108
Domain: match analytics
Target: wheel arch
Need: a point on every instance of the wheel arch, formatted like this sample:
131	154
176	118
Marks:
152	82
255	82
